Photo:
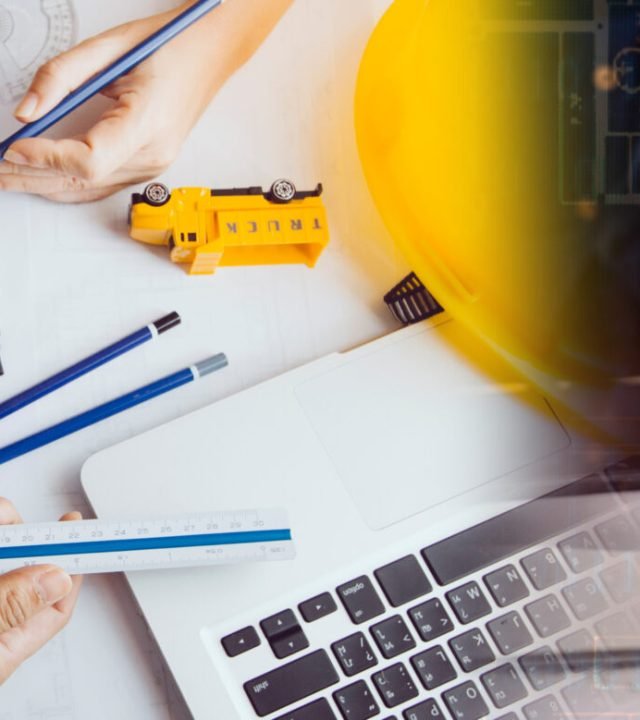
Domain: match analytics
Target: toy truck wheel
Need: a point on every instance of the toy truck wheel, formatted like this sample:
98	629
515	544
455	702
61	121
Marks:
156	194
282	191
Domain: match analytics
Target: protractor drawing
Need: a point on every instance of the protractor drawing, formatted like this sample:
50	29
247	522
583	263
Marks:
31	32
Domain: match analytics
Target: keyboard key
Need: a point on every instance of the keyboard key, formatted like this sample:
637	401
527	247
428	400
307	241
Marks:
615	632
622	581
585	598
431	619
543	569
542	668
284	634
584	699
290	683
403	581
547	708
468	602
354	654
581	552
578	650
356	702
508	716
472	650
279	624
504	686
465	702
394	685
240	642
527	525
360	599
618	535
547	616
433	667
618	674
506	586
393	637
317	607
509	633
427	710
289	644
318	710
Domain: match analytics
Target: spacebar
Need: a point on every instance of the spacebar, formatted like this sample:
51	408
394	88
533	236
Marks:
290	683
504	535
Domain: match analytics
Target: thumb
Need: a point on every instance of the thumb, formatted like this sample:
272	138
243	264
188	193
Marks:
25	592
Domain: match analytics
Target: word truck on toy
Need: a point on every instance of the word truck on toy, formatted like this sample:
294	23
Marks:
207	229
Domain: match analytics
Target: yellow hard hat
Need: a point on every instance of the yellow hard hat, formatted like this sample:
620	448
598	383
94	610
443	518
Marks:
482	140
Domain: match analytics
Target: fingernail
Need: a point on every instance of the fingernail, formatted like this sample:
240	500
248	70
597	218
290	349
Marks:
27	107
54	585
15	158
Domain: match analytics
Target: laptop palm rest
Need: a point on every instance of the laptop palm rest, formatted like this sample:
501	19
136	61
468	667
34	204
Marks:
413	424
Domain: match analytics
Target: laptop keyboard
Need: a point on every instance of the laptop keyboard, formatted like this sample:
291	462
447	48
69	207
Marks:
531	615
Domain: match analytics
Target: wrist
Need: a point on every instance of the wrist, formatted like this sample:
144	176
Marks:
224	39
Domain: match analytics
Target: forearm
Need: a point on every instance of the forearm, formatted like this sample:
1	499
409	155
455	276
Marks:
231	34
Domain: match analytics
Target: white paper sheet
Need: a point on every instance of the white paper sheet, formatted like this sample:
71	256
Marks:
71	281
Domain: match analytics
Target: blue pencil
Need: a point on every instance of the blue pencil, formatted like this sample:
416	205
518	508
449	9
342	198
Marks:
111	408
64	377
117	69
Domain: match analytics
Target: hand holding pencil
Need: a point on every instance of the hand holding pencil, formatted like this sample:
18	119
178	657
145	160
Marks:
153	107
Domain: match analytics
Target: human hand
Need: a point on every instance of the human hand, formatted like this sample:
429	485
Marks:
153	108
35	604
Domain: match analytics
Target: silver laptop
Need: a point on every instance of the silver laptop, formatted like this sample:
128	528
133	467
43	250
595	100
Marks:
425	582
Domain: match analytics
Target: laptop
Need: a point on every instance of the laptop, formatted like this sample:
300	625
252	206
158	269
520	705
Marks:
461	550
406	506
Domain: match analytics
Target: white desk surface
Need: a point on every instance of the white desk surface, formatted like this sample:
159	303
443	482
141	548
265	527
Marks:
71	280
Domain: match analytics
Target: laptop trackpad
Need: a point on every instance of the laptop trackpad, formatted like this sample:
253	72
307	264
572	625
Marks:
414	424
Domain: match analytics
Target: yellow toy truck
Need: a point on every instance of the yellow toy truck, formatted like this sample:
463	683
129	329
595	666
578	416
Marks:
207	229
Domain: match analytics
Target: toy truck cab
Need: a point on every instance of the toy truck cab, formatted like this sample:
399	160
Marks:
207	229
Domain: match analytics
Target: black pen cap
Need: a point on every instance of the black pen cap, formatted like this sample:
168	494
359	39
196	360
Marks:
167	322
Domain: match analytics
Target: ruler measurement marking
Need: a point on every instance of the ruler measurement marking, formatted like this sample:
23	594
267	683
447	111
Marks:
190	540
145	543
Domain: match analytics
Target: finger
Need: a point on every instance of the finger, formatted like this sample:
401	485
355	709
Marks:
40	184
20	643
66	606
66	72
92	158
26	592
71	516
7	168
63	74
8	514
